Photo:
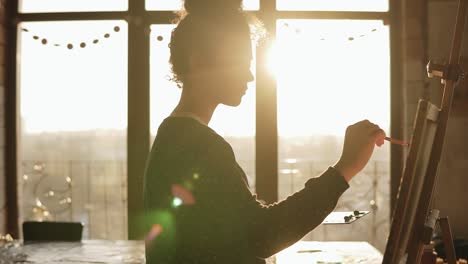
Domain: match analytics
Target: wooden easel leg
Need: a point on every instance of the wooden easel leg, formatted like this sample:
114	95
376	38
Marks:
448	240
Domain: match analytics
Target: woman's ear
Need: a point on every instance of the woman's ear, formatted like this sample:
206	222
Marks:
199	69
195	62
193	69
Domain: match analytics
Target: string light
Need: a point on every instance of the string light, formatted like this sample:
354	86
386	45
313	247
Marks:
116	29
50	197
349	38
70	46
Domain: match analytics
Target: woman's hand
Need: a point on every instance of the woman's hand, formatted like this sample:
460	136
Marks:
359	143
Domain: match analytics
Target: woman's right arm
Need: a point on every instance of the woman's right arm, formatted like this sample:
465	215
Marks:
274	227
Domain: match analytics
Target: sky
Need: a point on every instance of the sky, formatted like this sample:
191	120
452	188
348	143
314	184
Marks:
330	73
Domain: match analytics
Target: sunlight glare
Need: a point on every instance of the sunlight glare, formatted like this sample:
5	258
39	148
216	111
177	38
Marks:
330	74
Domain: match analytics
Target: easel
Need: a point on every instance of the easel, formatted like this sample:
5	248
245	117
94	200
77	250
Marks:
412	222
447	237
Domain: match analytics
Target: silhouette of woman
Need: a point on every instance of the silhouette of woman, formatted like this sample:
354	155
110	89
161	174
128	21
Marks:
198	207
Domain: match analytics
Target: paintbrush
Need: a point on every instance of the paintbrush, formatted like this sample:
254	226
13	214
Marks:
397	141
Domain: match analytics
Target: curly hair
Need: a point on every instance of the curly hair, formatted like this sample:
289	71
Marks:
202	26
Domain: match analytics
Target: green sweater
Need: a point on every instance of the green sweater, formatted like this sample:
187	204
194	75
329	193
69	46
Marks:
200	209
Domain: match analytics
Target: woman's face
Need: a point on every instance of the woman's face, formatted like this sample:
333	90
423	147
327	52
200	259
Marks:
229	72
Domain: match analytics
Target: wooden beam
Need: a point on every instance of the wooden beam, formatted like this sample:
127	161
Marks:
11	121
266	139
396	100
150	17
332	15
72	16
138	133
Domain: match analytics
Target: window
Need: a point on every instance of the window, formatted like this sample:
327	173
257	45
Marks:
73	101
236	125
41	6
73	90
331	74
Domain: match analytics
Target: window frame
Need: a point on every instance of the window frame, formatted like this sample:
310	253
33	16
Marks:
138	134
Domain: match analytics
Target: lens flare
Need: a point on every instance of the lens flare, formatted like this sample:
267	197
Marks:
182	194
156	229
176	202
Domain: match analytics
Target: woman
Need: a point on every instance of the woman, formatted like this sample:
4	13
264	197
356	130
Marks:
197	201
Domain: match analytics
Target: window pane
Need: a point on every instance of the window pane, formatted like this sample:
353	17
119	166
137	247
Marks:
236	125
333	5
330	74
177	4
48	6
73	138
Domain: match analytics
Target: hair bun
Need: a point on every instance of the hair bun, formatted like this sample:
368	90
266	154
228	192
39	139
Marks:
209	6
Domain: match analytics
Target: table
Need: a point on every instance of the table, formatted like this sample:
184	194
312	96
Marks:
311	252
88	251
105	251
